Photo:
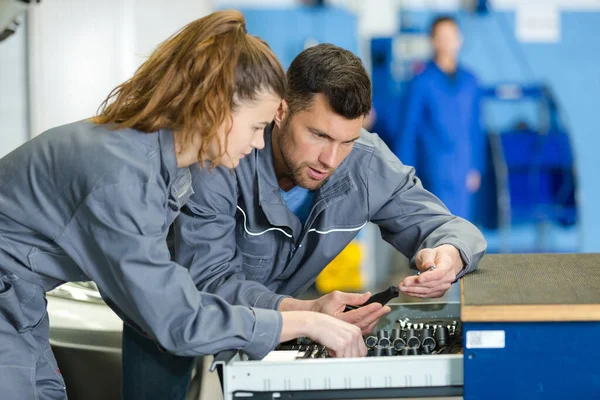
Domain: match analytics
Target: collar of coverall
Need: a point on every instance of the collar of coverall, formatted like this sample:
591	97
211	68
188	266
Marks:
169	170
340	184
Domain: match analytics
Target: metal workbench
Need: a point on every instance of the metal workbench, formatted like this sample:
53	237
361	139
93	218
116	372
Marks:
529	323
276	377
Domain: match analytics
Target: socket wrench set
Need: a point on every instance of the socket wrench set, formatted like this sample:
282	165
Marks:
416	338
408	338
416	350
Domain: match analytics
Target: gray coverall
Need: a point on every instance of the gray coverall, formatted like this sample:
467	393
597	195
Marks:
240	240
81	202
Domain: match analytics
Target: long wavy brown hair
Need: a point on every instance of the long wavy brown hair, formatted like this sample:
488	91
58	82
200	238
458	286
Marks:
194	80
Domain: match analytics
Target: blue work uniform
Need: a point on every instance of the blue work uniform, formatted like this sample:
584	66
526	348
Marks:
440	133
82	202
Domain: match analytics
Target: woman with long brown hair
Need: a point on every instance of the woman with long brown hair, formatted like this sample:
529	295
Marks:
93	200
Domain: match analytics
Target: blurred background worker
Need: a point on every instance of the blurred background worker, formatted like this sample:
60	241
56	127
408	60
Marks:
440	131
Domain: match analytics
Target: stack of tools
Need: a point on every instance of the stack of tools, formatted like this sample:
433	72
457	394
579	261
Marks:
410	338
405	339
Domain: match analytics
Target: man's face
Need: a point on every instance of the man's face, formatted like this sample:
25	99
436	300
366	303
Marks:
446	39
314	142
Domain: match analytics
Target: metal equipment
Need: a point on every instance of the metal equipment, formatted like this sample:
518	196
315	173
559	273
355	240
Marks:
10	12
404	361
529	322
526	325
531	177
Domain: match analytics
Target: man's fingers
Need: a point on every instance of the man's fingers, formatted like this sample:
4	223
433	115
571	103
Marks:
369	323
358	315
373	317
433	295
419	295
437	274
411	290
370	328
352	299
409	281
366	316
425	259
357	299
420	291
431	278
422	280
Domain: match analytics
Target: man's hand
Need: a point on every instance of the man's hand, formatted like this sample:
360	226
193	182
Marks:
366	318
436	282
334	304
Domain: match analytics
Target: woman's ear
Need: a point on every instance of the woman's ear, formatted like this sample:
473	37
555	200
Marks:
282	113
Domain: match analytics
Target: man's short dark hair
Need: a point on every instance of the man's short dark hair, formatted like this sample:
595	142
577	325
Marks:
333	71
439	20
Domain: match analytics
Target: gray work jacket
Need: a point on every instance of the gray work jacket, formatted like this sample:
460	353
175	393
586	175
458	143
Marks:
82	202
241	242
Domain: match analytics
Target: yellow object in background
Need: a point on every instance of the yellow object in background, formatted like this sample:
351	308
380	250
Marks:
343	272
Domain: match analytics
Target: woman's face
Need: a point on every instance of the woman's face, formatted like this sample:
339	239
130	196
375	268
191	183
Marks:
247	131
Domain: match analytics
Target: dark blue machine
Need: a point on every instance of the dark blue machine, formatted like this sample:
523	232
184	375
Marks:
531	177
387	90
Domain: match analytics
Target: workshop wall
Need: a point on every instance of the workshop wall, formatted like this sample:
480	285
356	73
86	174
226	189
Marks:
75	52
13	92
81	49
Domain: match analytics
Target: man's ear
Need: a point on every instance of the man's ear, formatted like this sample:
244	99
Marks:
282	113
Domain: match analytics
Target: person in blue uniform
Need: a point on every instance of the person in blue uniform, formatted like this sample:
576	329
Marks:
440	132
94	199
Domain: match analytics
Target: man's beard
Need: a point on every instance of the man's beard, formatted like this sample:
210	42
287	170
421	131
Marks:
294	169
